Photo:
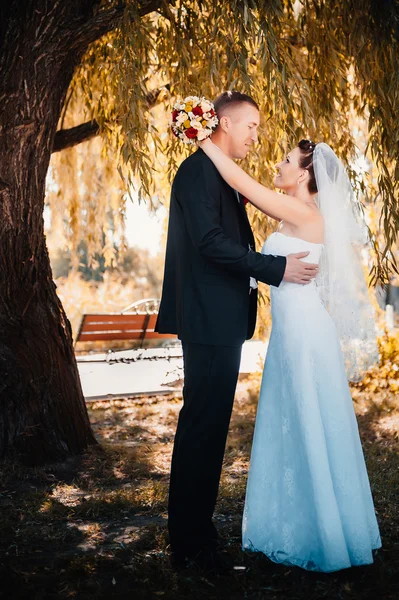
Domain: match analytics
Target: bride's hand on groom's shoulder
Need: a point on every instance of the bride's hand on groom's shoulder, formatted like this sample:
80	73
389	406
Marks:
298	271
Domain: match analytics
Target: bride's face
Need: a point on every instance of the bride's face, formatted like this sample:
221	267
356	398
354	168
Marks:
288	171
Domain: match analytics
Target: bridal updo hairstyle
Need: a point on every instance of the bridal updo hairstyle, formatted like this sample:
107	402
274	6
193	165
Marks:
306	162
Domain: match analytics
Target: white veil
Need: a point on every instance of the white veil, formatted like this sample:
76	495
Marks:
341	280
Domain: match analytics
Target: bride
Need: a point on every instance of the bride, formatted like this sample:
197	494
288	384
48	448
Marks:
308	500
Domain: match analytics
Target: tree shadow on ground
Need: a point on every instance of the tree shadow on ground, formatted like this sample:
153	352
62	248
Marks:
63	526
96	527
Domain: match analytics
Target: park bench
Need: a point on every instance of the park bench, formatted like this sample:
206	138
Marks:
136	322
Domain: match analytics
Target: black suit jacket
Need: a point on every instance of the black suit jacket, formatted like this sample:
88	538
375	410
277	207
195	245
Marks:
210	255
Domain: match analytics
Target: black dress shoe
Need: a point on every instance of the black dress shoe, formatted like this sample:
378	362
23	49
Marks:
179	561
207	561
211	561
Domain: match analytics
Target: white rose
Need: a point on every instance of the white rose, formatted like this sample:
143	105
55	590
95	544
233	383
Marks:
196	123
206	106
181	117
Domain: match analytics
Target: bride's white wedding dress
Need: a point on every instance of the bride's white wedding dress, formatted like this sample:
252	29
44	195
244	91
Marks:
308	500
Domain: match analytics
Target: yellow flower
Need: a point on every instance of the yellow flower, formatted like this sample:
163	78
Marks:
204	123
187	124
189	108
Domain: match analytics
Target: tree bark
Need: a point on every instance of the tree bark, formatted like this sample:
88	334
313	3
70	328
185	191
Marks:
43	416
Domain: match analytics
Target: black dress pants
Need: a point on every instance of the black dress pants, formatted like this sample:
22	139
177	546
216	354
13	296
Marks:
210	379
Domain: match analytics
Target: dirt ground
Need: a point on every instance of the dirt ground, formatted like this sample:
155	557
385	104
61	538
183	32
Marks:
95	526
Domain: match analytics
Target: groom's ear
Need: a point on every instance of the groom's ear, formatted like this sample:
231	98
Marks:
224	123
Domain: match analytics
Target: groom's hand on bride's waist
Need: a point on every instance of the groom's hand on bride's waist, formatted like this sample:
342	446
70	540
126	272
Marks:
298	271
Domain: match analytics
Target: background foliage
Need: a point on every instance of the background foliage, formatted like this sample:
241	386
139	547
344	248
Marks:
324	70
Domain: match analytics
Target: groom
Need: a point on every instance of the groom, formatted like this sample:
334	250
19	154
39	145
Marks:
209	299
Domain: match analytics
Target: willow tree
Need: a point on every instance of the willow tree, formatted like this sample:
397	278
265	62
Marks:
312	65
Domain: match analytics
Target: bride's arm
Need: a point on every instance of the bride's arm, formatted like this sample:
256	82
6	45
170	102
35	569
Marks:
278	206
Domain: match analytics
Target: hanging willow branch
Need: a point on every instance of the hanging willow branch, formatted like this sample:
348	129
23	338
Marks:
107	19
67	138
319	69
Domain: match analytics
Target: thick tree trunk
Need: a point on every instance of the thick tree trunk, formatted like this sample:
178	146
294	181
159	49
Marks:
43	415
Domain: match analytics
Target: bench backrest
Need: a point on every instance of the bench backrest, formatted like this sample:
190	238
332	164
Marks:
119	327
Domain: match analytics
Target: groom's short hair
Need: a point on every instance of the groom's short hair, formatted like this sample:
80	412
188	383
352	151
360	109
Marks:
231	99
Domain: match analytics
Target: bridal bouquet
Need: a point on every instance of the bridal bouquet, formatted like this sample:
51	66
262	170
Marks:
193	119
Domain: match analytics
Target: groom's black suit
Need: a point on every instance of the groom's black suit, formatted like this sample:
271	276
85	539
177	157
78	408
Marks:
206	300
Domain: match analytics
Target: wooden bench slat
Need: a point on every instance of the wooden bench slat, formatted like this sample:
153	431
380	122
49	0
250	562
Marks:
93	336
110	318
111	327
153	335
121	335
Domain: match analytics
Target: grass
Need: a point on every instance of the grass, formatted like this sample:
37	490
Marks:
95	526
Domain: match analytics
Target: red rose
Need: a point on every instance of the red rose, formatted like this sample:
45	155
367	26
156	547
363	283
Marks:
197	111
174	115
191	133
212	112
